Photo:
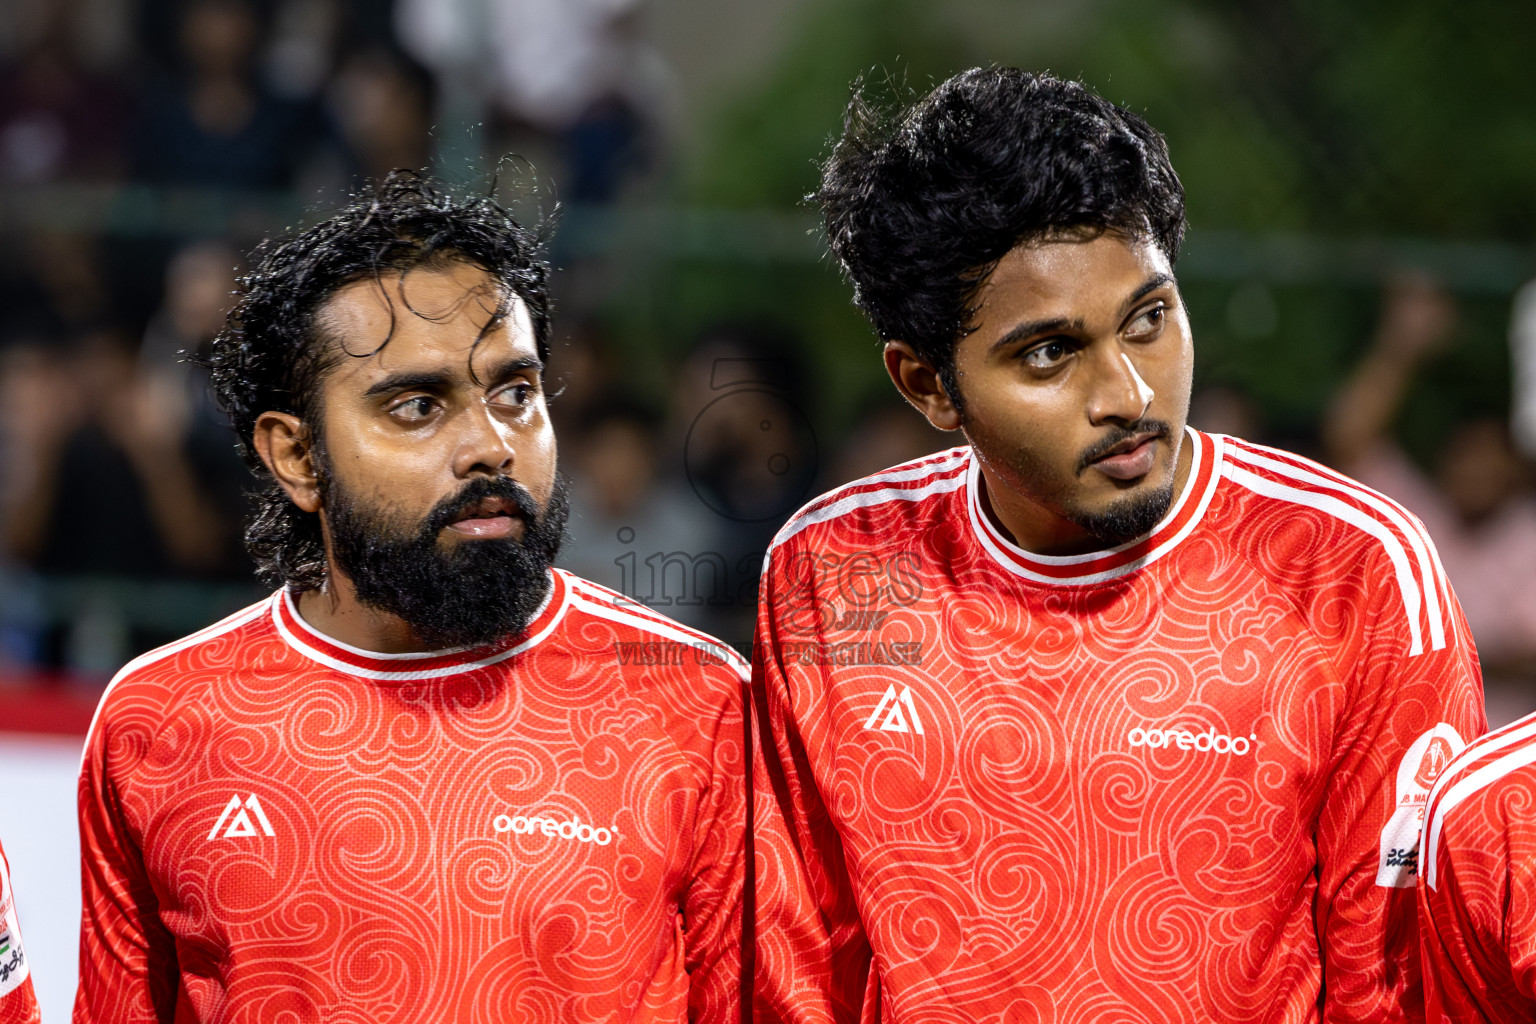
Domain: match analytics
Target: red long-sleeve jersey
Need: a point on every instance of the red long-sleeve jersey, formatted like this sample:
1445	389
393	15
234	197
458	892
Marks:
275	826
18	1004
1477	893
1181	779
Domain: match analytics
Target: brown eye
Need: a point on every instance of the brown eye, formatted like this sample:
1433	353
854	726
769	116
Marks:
412	409
1048	355
1148	324
516	395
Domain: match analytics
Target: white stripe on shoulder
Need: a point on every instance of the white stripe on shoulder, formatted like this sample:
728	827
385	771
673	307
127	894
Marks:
916	469
1356	485
1406	585
624	604
1452	787
821	510
1431	575
615	607
203	635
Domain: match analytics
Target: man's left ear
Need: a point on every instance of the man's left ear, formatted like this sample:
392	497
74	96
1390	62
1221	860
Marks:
284	443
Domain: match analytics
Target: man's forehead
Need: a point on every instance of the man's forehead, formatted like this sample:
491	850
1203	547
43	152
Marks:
1067	268
429	319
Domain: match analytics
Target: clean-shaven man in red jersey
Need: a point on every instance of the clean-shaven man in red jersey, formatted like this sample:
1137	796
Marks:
18	1003
422	782
1477	888
1096	717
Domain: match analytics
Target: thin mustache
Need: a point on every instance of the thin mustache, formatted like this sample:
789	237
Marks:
1152	428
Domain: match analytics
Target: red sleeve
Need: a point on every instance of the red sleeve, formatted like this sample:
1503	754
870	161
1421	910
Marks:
1477	899
813	958
713	906
18	1003
1407	714
128	970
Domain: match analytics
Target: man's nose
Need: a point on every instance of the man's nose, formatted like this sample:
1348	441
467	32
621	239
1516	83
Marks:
484	444
1119	394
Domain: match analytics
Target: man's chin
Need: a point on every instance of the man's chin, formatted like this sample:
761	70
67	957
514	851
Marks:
1129	515
456	605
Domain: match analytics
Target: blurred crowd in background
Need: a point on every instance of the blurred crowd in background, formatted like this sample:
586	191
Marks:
214	122
710	374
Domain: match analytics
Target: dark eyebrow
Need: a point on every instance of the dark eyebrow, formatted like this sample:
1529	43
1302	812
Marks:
1151	285
437	381
1033	327
410	381
513	367
1050	324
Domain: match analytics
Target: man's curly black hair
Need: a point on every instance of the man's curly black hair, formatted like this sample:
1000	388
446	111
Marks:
920	204
271	355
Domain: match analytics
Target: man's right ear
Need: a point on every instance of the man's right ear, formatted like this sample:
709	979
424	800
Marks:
919	384
287	450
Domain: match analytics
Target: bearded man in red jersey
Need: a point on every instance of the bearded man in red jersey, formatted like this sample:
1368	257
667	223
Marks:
421	782
1097	717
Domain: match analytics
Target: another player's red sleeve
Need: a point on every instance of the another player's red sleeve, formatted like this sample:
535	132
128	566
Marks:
713	907
1477	896
1405	714
128	971
18	1004
812	957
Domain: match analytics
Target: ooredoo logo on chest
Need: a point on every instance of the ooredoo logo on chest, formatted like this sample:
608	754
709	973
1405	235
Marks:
572	828
1208	742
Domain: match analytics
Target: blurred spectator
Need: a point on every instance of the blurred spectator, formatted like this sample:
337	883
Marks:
51	286
215	123
572	76
1478	508
891	432
198	287
740	439
743	428
64	274
58	120
303	40
580	377
634	531
382	109
100	483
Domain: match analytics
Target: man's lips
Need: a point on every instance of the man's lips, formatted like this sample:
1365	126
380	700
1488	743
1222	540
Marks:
1131	459
488	519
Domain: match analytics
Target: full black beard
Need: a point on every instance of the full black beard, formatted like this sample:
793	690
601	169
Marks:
1128	518
473	593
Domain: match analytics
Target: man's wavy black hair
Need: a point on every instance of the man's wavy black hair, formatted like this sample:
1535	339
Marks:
920	204
271	355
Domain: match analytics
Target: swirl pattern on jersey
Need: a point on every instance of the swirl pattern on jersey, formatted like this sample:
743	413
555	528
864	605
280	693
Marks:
1155	783
278	827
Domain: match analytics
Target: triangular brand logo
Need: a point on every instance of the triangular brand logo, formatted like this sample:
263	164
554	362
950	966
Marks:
891	705
241	824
